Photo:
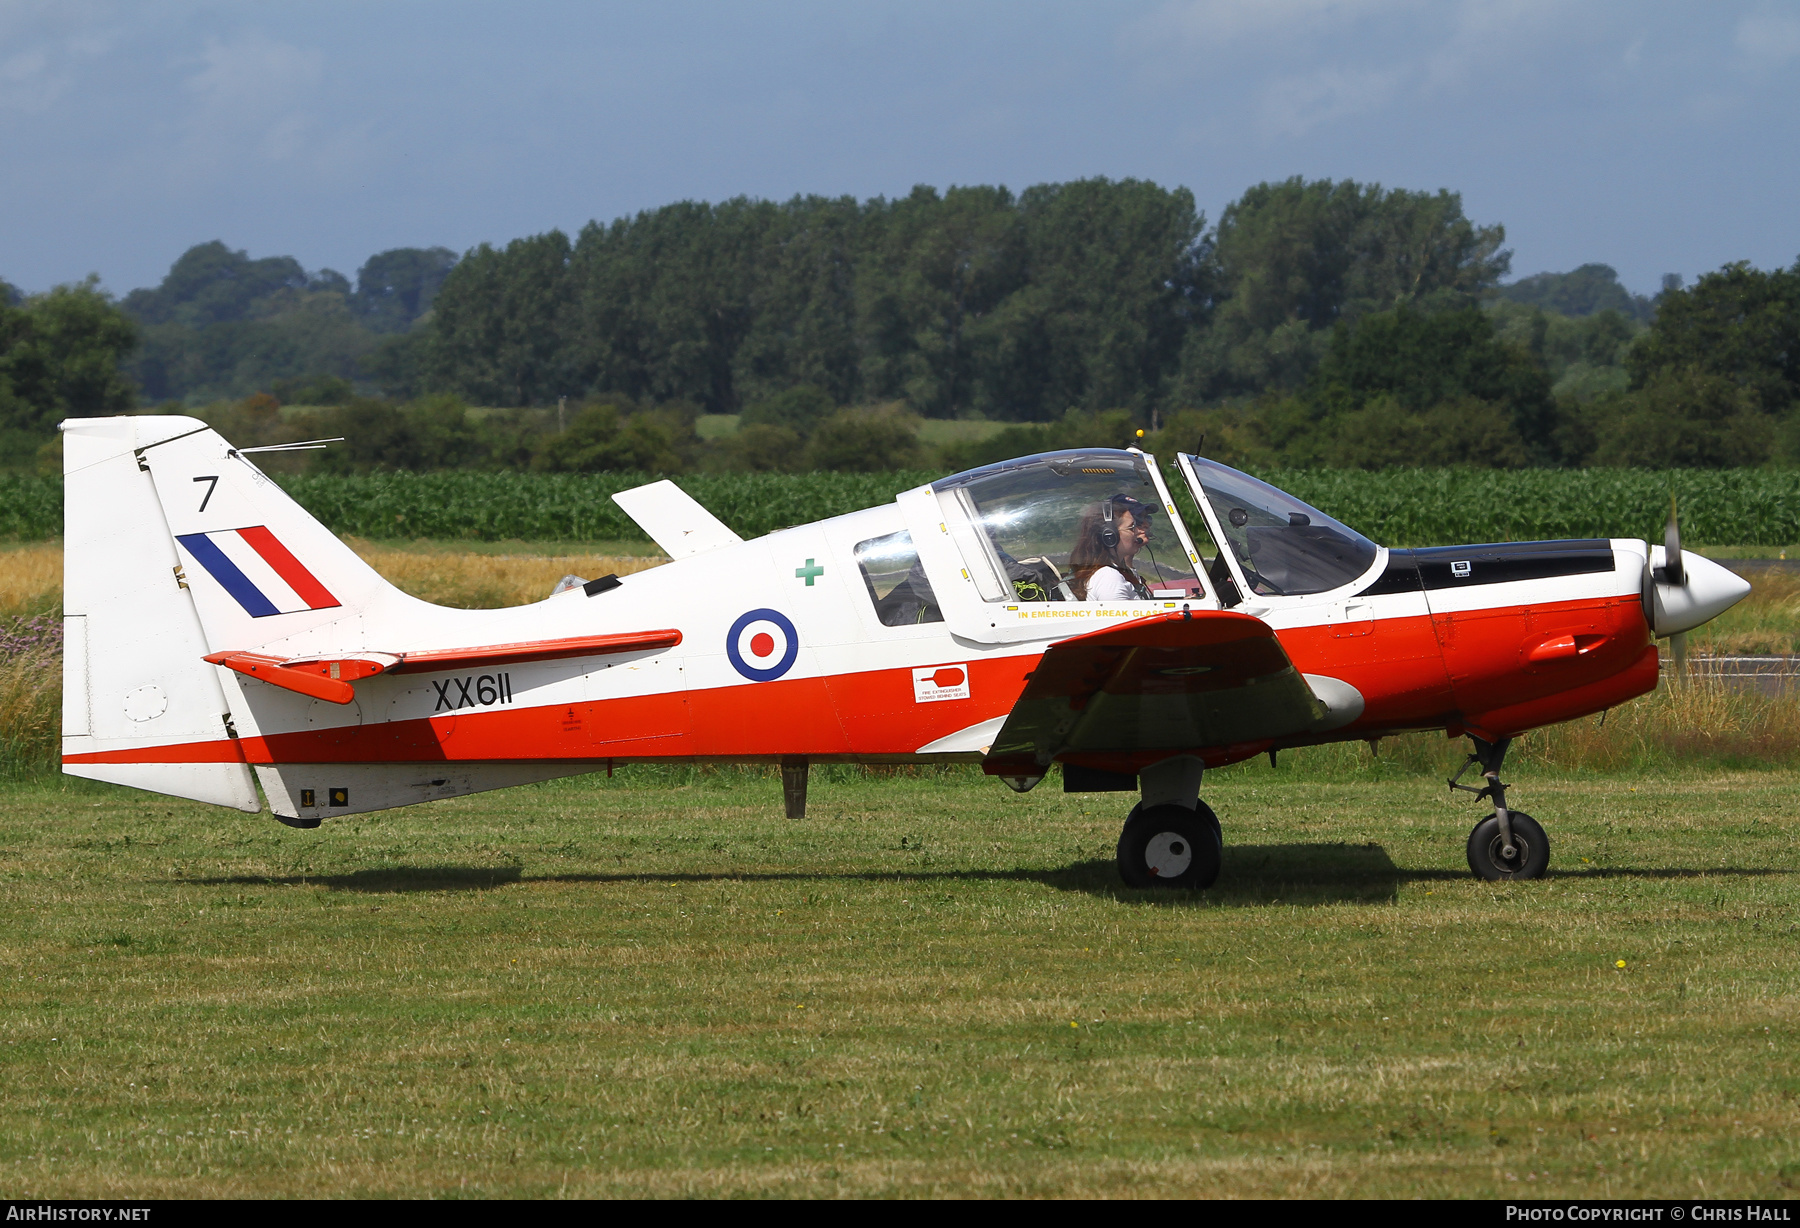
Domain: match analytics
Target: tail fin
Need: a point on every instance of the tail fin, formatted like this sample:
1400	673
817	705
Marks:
176	546
261	569
133	679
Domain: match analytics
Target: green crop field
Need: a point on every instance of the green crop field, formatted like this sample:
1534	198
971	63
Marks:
656	985
1405	507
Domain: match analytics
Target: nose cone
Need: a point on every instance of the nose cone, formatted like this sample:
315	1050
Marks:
1710	591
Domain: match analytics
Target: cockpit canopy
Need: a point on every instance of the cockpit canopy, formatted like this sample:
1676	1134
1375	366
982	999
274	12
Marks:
1098	526
1284	547
1039	527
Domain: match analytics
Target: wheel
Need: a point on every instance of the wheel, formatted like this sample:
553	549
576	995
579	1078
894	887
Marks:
1170	846
1205	812
1531	849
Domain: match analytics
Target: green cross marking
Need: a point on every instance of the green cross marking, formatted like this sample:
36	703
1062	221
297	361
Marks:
809	572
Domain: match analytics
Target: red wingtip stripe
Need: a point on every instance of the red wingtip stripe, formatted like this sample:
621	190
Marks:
305	585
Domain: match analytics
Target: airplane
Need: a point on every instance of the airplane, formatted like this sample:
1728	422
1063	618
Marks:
1053	609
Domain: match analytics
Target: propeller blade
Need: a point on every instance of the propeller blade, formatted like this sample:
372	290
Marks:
1678	647
1672	569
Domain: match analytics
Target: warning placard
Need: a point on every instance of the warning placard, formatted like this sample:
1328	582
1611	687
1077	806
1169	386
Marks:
936	682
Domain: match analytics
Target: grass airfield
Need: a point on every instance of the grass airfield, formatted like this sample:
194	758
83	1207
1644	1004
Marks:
656	985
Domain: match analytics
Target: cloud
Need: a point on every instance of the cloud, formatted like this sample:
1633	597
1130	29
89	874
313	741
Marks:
254	72
1194	24
253	97
1769	38
51	47
1357	54
27	82
1296	105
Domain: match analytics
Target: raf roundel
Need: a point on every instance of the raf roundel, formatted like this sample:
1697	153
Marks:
762	645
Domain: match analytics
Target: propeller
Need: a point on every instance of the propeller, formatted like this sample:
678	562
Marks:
1686	592
1674	573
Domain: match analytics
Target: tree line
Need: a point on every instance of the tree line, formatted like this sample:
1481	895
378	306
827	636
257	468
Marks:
1320	323
1088	295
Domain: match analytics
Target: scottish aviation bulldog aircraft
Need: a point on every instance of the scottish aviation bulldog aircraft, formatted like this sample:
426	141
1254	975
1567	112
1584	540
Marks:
1051	609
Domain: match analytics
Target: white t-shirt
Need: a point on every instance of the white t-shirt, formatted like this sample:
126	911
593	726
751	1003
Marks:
1110	584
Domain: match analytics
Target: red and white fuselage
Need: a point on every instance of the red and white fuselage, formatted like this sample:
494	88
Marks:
186	567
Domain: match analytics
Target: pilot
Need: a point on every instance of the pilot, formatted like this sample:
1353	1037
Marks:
1108	538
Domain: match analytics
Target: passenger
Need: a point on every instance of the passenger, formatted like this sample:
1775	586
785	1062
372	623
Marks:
1108	538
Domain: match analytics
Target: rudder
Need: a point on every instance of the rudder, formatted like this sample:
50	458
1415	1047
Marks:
140	708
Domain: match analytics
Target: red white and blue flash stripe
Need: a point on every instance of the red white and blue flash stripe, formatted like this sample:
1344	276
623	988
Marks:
257	570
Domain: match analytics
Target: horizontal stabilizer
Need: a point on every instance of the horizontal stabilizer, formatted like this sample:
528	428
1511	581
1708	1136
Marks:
535	650
329	678
675	520
273	672
1172	683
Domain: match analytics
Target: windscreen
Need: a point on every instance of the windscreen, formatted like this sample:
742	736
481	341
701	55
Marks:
1285	547
1067	526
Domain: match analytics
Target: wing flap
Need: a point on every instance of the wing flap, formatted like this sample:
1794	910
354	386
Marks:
1175	682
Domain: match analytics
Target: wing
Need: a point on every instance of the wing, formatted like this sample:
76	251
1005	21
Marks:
1175	682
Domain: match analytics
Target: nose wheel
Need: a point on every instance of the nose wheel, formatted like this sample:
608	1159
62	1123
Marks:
1171	846
1508	844
1490	858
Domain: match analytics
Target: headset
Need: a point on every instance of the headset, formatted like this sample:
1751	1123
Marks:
1109	536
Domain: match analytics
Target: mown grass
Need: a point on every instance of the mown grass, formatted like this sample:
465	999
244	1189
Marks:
655	985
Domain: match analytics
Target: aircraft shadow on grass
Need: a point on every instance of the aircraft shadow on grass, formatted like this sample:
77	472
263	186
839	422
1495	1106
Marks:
1253	875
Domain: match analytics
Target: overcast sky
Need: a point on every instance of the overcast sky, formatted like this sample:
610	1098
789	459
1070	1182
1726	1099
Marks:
1655	137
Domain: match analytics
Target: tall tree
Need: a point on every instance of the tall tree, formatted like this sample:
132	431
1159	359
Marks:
1585	291
497	336
803	323
1291	259
396	287
1739	324
661	302
60	356
222	324
934	268
1412	386
211	284
1115	280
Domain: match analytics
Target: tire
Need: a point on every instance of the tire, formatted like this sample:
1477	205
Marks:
1170	846
1531	849
1205	812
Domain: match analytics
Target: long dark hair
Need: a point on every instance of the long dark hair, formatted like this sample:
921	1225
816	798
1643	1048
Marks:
1090	552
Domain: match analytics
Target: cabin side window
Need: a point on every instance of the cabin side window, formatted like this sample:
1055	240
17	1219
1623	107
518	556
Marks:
897	585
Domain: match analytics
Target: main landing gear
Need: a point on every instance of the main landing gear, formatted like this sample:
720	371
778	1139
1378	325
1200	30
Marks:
1507	844
1171	838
